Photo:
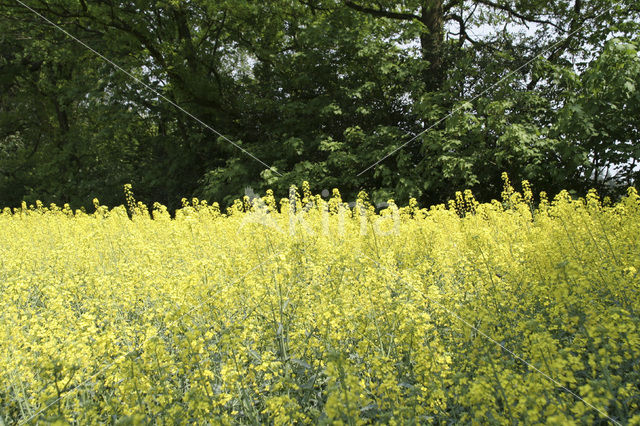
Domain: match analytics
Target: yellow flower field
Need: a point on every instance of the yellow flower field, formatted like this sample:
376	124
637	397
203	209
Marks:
311	311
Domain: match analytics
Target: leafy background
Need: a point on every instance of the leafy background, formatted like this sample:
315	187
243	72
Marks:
320	90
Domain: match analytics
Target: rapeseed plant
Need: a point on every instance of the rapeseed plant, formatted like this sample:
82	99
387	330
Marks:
318	311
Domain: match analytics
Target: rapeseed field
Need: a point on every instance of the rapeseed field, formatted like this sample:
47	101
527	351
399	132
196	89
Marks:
311	310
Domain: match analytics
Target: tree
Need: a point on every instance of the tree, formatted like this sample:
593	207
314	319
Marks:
318	89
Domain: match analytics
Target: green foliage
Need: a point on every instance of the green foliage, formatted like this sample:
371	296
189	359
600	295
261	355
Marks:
320	90
601	117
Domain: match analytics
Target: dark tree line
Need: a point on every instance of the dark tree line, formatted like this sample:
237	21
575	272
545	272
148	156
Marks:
320	90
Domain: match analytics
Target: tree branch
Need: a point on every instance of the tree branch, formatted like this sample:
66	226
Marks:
450	5
463	29
381	13
573	26
558	51
516	14
464	35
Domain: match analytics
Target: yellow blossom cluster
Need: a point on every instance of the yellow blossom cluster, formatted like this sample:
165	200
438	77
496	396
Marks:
313	310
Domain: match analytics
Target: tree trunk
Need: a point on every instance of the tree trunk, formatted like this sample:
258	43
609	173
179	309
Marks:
431	43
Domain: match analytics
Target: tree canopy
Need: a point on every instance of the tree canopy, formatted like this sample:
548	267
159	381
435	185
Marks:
320	90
